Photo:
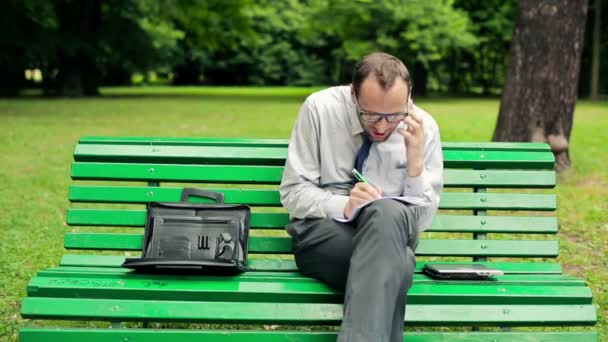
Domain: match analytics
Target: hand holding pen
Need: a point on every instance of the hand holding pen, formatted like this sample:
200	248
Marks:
362	193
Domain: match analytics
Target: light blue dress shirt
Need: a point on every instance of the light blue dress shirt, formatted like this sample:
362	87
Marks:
324	143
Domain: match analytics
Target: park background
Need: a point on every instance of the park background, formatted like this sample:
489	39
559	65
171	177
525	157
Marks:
242	68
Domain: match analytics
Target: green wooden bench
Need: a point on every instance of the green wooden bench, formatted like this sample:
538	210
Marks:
496	210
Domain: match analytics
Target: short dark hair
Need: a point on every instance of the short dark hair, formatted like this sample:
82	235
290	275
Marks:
385	67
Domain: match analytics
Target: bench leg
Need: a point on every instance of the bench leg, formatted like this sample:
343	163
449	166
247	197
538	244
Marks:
115	325
503	329
479	236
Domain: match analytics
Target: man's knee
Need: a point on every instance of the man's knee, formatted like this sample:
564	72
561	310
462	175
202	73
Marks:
387	219
387	211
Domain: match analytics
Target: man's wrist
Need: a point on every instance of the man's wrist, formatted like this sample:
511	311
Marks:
334	206
415	166
414	171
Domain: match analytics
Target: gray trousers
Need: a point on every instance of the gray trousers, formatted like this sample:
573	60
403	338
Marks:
371	259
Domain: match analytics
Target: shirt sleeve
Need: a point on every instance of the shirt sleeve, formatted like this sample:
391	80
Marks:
424	191
300	186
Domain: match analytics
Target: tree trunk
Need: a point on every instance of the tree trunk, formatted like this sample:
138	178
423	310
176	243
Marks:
540	90
420	79
11	79
453	86
79	24
595	54
482	69
187	73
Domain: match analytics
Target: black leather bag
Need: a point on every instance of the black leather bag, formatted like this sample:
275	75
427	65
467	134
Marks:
193	237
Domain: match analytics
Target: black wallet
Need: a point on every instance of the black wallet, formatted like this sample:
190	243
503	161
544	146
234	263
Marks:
195	237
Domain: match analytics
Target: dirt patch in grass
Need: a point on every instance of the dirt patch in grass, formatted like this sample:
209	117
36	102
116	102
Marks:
591	182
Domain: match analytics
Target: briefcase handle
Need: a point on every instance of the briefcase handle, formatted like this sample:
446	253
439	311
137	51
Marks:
217	196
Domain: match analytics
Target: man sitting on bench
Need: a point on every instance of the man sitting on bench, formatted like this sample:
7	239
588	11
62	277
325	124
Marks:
365	249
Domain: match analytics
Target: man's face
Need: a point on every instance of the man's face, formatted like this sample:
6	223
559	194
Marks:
372	98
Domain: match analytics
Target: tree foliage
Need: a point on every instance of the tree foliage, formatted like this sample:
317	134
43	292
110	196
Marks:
458	46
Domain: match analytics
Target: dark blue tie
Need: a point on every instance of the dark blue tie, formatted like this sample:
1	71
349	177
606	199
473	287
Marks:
362	154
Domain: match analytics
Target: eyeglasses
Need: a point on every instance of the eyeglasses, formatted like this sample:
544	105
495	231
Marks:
372	117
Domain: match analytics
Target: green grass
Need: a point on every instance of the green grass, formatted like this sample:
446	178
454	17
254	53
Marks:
38	137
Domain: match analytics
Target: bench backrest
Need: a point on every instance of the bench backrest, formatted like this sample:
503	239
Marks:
489	188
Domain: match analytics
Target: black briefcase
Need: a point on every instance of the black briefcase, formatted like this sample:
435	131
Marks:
195	237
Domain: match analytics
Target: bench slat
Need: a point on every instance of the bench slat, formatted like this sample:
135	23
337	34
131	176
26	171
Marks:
150	335
286	265
441	223
252	142
137	218
272	175
244	155
176	173
280	290
276	156
256	142
295	276
427	247
498	159
123	194
449	200
499	178
305	313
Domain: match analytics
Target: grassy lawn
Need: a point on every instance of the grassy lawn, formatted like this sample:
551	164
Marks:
38	137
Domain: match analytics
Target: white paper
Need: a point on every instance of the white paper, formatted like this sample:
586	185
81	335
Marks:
409	201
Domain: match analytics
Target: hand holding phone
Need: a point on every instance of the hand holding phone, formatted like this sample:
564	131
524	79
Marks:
414	139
